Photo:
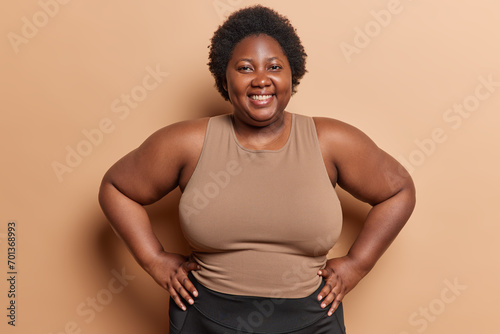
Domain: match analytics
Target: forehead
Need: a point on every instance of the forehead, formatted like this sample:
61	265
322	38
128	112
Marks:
258	46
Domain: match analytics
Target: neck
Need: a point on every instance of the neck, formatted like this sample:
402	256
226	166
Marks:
269	137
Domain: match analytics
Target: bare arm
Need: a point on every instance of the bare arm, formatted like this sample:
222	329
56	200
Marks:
163	162
373	176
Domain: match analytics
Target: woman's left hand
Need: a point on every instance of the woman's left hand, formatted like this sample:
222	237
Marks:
341	276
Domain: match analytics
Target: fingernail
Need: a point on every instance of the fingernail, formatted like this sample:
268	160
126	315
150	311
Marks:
190	301
330	313
320	297
183	307
323	305
195	293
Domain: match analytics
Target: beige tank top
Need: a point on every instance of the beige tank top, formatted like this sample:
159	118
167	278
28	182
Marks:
260	222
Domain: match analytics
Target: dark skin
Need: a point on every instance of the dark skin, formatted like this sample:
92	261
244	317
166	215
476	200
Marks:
258	80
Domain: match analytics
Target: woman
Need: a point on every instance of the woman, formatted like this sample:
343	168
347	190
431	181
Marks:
258	207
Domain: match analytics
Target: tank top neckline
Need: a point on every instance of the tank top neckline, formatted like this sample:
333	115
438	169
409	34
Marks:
287	143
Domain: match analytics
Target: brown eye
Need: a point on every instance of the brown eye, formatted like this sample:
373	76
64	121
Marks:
244	68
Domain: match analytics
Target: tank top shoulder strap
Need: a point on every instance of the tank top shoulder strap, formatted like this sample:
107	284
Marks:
218	130
216	147
218	139
304	137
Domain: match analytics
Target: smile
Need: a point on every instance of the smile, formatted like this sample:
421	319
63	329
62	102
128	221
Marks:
260	97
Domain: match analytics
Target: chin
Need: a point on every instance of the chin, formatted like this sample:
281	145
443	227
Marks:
264	116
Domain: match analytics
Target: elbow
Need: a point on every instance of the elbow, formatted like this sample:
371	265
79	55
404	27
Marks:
408	197
412	193
105	191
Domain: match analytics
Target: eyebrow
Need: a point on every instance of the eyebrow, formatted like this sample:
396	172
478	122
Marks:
250	59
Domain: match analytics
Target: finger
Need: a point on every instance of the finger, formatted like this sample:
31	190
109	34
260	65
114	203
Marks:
325	272
183	292
176	298
330	282
189	266
335	290
333	308
325	291
335	304
329	298
188	285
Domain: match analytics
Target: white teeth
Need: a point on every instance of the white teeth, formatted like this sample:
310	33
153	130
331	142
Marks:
260	97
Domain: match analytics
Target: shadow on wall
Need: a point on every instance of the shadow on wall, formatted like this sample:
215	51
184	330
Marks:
148	301
354	213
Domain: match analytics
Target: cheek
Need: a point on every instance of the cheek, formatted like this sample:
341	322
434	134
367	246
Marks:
285	84
284	80
236	85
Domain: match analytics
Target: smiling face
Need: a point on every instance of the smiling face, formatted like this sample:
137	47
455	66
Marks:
258	80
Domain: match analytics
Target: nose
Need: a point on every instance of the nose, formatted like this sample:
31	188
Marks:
261	79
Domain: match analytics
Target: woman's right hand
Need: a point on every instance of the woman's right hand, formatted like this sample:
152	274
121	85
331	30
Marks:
170	271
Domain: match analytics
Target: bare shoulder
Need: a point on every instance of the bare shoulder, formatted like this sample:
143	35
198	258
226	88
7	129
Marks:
340	137
184	135
333	129
190	130
177	147
161	163
361	167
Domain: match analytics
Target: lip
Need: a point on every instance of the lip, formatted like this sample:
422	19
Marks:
263	102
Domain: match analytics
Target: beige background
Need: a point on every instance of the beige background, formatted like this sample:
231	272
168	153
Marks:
62	77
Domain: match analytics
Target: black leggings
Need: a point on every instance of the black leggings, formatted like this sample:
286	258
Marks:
219	313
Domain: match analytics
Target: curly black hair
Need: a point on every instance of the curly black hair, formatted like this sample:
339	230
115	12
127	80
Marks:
249	21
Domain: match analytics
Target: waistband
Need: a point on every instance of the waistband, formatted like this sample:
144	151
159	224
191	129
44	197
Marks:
267	314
